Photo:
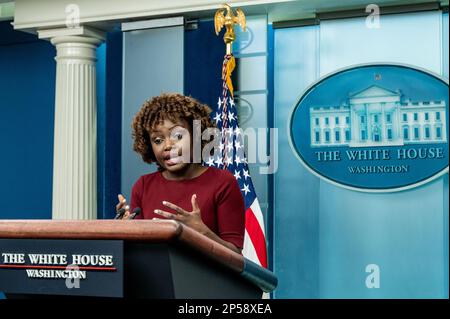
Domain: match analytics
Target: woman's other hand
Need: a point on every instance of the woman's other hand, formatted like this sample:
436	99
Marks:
192	219
123	205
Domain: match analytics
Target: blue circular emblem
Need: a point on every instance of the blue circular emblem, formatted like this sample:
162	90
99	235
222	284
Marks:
378	127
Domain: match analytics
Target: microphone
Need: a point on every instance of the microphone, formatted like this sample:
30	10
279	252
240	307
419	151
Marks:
120	213
136	212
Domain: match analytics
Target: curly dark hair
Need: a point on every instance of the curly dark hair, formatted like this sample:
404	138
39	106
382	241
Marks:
170	106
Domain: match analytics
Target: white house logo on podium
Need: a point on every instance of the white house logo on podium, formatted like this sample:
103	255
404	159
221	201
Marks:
374	127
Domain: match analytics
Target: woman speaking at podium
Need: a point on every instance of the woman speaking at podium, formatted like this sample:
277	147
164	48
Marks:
204	198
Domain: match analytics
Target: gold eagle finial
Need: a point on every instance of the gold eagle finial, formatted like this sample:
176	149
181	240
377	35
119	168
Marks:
228	20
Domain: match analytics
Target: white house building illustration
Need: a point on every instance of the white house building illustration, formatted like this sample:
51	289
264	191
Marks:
377	116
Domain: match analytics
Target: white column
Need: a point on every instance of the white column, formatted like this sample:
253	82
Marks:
383	124
75	141
369	124
398	118
353	125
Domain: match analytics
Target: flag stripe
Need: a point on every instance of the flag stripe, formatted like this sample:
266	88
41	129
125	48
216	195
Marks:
256	236
258	214
249	251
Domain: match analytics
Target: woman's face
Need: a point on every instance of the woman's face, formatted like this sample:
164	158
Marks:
171	144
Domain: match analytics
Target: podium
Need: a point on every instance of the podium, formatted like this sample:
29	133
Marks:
122	259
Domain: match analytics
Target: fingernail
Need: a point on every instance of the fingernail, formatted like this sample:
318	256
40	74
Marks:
127	207
156	211
164	202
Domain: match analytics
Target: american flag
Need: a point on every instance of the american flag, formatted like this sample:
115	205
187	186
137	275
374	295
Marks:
232	157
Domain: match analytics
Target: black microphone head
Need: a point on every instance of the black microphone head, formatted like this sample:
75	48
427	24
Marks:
137	211
120	213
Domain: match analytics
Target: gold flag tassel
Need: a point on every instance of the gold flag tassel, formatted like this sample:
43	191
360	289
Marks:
230	65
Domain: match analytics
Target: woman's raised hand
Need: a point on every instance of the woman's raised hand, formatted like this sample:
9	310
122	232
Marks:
122	206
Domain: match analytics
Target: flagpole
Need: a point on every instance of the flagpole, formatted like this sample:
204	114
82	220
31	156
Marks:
232	158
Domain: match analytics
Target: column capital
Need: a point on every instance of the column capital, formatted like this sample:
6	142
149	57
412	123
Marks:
81	33
74	45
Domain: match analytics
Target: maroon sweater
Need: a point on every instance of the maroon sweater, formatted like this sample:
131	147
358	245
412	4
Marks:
218	196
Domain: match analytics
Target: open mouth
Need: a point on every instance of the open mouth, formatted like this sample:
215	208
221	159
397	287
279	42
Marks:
172	160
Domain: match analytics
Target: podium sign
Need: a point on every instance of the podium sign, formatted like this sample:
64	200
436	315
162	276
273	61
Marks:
145	259
62	267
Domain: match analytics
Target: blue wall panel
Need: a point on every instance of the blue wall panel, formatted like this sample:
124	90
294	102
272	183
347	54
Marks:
203	57
109	121
27	94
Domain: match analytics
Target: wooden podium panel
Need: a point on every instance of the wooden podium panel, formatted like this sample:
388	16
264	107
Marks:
154	259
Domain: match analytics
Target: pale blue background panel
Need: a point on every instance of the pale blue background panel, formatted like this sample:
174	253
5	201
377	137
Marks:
152	64
412	38
324	235
401	234
296	191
